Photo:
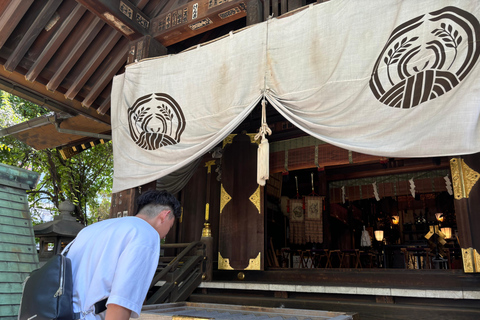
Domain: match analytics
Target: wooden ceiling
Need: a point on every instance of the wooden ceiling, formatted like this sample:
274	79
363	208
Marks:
63	54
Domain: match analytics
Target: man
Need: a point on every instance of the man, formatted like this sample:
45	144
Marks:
116	259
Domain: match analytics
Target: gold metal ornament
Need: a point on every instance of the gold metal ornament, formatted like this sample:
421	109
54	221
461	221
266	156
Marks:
224	198
241	276
255	198
228	140
206	231
207	211
463	178
254	264
209	165
252	138
471	260
223	263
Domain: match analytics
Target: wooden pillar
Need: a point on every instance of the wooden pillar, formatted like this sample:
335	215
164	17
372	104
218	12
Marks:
145	47
124	202
465	175
254	12
295	4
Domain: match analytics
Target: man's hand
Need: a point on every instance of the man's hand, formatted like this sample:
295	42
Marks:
116	312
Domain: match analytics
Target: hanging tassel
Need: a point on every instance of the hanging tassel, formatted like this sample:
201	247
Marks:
263	154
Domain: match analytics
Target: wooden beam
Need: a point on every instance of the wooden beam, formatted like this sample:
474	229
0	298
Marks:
31	35
275	11
194	18
146	47
115	65
82	44
387	171
100	54
105	106
266	9
11	17
14	82
55	42
254	12
121	15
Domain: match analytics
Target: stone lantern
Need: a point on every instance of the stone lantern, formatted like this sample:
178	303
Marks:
55	235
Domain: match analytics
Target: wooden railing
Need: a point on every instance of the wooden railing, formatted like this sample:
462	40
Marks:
181	274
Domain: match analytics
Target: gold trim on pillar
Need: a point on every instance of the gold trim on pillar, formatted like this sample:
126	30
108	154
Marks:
207	211
228	139
463	178
252	138
255	198
471	260
223	263
224	198
209	165
254	264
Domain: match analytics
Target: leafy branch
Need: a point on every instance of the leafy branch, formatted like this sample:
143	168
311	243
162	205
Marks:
395	53
450	36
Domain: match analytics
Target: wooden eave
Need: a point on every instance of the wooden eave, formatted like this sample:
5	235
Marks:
63	54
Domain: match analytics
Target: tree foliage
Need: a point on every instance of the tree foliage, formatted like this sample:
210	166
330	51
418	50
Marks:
85	179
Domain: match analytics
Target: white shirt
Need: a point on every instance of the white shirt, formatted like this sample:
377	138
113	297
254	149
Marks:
115	258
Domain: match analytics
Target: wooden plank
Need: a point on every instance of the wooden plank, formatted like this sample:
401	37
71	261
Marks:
19	214
121	15
13	205
9	299
117	63
195	17
13	197
11	287
11	278
241	238
33	31
55	42
10	173
254	12
75	53
19	231
275	9
7	266
95	61
9	221
9	311
40	95
105	106
17	257
11	17
283	6
18	239
266	9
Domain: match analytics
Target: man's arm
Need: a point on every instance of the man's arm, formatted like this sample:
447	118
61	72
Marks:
116	312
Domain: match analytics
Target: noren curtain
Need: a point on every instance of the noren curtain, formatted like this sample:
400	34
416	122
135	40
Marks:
394	78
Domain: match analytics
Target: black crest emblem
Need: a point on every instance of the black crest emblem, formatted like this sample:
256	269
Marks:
413	69
155	120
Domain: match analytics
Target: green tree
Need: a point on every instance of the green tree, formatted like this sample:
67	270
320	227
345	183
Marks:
85	179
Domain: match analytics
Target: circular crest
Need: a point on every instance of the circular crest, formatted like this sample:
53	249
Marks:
416	66
155	120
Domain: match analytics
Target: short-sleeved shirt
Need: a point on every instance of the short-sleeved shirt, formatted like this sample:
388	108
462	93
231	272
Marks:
115	258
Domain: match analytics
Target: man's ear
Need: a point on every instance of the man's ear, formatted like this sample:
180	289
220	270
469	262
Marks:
164	215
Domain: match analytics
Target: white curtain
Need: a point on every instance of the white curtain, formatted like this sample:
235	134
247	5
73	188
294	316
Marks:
394	78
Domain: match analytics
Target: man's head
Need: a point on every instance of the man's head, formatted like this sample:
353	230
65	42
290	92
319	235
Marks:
159	209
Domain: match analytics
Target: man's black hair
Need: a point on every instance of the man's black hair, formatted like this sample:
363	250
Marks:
158	198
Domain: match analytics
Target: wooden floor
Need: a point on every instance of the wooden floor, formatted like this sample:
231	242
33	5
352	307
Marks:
369	307
191	310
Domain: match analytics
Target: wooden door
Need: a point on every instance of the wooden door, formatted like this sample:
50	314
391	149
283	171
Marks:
241	231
